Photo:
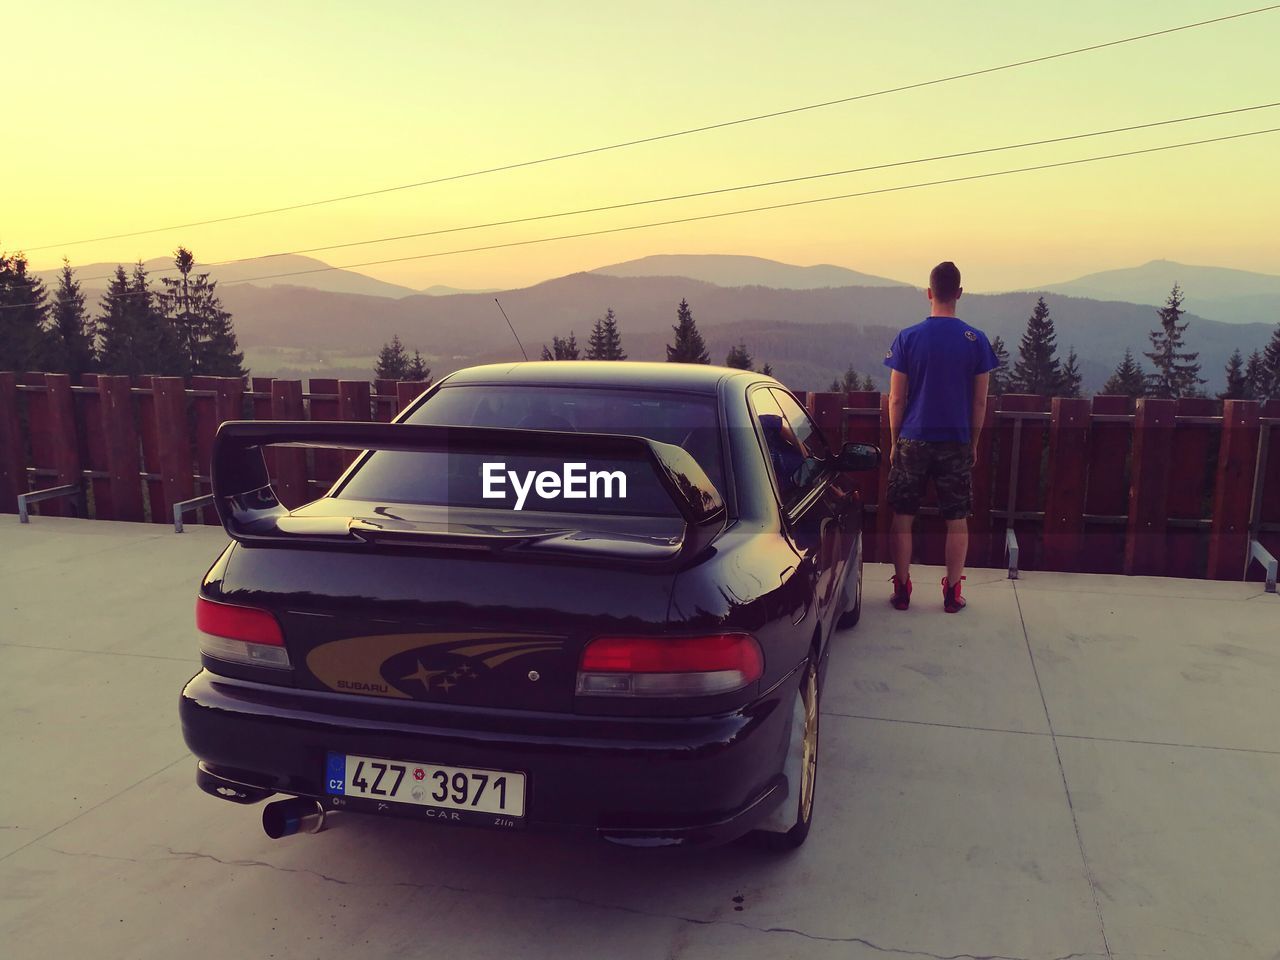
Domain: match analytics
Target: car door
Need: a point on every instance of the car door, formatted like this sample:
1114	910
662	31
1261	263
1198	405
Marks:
811	499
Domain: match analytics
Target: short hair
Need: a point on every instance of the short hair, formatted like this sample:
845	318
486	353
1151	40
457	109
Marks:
944	281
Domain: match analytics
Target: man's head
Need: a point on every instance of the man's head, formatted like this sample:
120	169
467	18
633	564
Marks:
944	286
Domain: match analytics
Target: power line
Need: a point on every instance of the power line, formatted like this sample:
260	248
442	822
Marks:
721	190
747	210
737	188
672	134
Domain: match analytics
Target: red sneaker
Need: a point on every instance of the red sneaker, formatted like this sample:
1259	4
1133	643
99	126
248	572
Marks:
901	598
952	602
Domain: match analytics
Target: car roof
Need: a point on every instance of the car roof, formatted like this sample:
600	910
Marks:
693	377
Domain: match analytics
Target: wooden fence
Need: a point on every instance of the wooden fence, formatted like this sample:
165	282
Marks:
138	446
1162	487
1104	485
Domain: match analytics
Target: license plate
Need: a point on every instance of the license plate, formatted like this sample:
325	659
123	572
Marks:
461	794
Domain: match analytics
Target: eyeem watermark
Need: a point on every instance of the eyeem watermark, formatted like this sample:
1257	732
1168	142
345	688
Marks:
574	482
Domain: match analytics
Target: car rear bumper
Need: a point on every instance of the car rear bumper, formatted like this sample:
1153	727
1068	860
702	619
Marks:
637	781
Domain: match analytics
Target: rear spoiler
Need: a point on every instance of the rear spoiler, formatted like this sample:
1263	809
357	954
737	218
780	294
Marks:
251	512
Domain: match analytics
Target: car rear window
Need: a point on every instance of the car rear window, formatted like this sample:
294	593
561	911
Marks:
457	479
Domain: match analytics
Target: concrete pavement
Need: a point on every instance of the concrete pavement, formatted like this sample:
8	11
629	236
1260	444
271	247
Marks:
1077	766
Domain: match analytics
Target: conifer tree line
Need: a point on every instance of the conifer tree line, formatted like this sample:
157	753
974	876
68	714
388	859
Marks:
686	346
178	330
1172	371
394	363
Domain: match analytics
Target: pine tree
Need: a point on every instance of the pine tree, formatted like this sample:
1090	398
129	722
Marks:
418	369
24	310
868	384
73	331
767	370
850	382
1237	383
136	339
740	358
605	342
1129	380
1001	377
1255	377
1177	372
1270	373
1037	369
1069	384
393	362
562	349
192	308
689	346
115	326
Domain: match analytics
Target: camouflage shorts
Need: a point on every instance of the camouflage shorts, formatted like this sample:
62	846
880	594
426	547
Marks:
948	465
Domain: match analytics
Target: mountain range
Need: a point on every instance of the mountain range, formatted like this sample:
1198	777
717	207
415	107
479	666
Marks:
808	322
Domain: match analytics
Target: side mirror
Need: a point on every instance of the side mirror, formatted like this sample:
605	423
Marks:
858	456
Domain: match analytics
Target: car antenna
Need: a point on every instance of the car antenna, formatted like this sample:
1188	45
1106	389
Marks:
513	329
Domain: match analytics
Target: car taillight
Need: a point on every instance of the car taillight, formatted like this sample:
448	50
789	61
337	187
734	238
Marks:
669	666
240	634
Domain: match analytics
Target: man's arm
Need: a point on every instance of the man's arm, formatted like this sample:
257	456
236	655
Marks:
897	407
979	409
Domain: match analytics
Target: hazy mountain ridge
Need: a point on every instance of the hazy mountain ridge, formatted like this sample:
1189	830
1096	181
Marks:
726	270
1223	293
809	335
311	273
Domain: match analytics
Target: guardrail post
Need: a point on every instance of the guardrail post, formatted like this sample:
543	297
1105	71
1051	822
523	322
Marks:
1233	490
13	455
1144	547
1068	475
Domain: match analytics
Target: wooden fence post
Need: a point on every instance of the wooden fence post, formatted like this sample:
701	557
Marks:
408	391
13	454
385	403
980	533
884	513
1108	491
354	404
176	465
1025	495
1144	547
290	462
325	405
1068	474
227	403
262	405
120	449
1186	548
1233	490
827	410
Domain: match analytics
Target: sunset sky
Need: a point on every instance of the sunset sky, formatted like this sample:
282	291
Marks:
134	115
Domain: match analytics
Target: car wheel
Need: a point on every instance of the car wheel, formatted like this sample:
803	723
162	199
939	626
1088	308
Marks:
854	613
791	833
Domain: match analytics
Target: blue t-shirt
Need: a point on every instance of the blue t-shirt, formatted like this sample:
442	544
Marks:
940	356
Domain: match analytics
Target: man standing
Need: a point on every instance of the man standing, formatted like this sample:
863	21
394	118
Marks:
937	401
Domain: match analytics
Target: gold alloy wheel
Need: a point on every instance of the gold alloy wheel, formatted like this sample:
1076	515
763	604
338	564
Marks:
809	775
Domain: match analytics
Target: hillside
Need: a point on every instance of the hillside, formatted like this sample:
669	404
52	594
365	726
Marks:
736	271
1232	296
94	277
809	335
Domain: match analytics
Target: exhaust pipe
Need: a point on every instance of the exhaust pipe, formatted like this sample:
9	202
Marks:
284	818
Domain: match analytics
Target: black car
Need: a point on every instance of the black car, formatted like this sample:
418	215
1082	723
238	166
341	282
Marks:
557	595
